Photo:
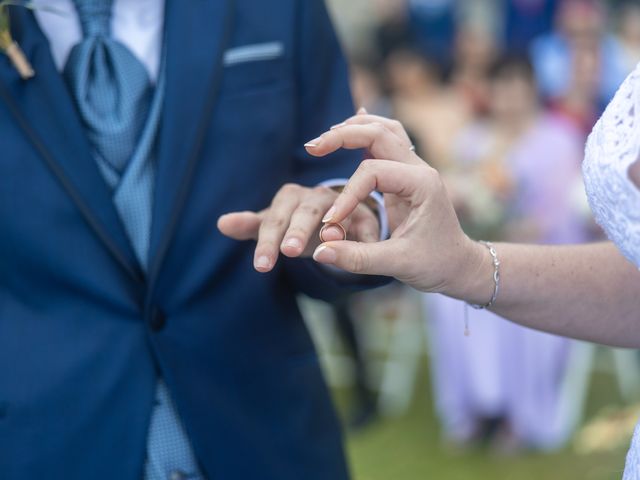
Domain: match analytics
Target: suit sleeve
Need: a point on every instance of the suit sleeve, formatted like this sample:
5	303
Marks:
324	99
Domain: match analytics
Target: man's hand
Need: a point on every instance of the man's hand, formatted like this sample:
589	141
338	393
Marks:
292	223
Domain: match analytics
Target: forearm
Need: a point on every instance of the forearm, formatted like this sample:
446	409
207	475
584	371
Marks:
590	292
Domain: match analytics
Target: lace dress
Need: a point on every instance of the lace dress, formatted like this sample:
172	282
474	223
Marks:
613	146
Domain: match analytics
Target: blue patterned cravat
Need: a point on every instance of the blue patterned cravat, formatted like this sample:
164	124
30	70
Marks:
121	114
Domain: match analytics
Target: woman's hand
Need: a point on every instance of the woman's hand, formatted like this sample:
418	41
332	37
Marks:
291	224
427	249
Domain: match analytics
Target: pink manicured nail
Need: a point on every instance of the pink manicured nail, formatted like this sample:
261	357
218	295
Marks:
292	243
324	254
329	215
313	143
339	125
263	263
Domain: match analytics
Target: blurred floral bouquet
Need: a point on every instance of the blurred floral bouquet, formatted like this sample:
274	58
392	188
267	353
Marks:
482	200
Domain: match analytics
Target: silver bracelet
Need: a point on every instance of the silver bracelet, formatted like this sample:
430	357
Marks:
496	277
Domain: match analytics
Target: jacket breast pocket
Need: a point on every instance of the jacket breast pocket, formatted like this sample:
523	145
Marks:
253	68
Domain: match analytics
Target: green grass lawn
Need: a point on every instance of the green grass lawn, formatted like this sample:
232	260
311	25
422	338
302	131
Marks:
409	448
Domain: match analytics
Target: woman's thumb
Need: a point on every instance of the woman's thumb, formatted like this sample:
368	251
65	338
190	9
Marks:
355	257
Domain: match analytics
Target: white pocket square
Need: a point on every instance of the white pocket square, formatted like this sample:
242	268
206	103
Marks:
253	53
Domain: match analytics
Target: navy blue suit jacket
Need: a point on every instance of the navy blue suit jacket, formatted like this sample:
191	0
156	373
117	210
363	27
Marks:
84	334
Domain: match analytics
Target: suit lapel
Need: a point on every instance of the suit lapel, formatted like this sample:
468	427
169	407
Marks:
197	34
43	108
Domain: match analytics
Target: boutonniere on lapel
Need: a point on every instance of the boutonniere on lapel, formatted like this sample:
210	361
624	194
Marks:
9	46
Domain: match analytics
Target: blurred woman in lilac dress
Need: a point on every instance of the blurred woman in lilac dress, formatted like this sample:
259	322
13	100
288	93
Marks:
516	179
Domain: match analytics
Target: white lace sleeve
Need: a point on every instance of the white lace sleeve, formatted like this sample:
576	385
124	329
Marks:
611	148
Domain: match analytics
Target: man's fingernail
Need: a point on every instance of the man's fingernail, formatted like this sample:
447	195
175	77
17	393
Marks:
329	215
292	243
263	263
331	232
313	143
324	254
362	111
339	125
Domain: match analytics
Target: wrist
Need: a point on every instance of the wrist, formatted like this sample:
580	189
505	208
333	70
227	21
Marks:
473	281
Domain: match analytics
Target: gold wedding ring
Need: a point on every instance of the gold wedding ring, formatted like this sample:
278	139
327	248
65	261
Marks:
328	225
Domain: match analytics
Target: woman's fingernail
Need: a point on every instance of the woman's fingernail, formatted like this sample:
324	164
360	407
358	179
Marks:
329	215
292	243
325	254
362	111
339	125
313	143
263	263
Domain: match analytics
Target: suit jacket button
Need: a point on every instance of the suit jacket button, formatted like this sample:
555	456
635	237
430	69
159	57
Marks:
158	320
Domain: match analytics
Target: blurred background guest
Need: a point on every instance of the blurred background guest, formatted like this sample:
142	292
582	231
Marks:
432	110
526	20
393	30
369	88
433	26
475	50
628	34
579	62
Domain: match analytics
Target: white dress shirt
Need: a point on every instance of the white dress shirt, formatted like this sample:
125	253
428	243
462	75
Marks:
138	24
